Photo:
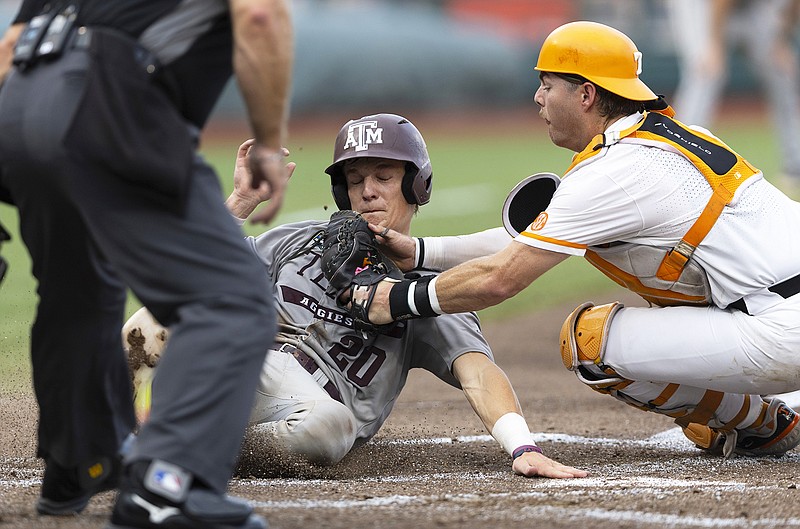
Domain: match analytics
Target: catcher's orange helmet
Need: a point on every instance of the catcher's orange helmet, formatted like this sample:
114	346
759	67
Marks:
599	53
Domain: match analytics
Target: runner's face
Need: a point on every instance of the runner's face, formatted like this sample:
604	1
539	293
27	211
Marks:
374	186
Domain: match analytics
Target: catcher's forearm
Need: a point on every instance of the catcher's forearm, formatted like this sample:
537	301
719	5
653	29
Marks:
487	281
465	288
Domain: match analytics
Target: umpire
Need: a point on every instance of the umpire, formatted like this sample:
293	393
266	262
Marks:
99	125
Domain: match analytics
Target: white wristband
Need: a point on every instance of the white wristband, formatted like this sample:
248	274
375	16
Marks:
511	431
237	220
432	296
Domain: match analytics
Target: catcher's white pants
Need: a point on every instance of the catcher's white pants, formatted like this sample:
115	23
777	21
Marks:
706	348
295	415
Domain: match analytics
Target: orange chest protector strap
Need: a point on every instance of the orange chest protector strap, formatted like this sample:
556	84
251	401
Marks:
723	168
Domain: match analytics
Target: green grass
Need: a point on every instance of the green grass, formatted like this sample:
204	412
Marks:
473	175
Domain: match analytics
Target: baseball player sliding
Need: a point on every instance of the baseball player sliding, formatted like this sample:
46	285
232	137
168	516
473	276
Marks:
665	210
327	386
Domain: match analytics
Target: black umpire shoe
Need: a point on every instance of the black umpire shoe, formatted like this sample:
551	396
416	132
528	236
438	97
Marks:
67	490
157	494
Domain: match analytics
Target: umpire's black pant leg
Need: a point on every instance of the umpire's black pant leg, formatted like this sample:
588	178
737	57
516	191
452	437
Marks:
80	375
193	270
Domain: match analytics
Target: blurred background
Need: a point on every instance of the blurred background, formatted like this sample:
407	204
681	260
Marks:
462	71
449	54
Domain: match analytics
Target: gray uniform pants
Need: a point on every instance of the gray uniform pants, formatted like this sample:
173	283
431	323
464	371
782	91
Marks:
101	167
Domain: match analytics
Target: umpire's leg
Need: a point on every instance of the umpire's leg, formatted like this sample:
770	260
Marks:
193	270
80	375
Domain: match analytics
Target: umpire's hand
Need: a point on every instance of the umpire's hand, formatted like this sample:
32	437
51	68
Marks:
246	197
267	167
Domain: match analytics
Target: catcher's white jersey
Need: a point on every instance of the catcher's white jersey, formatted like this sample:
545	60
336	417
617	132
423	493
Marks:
368	372
651	196
647	195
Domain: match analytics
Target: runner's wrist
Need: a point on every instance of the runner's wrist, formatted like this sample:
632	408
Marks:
512	432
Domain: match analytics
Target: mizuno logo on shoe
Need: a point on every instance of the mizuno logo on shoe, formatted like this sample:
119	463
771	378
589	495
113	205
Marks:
157	514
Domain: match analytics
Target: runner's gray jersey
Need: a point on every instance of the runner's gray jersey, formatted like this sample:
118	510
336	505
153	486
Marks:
369	372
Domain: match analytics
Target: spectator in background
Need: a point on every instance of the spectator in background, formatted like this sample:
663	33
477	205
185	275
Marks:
705	30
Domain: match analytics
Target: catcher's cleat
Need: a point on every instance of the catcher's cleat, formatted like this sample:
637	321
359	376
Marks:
67	491
782	435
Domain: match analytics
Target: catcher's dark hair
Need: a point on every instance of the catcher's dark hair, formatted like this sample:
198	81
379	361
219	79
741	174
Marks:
608	104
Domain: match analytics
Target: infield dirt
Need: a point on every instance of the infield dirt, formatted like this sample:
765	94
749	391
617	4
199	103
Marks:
432	464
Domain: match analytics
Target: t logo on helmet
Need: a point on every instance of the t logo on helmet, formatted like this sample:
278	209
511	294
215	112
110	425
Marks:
637	56
360	135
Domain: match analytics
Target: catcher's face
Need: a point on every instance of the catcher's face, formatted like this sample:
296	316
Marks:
560	105
374	186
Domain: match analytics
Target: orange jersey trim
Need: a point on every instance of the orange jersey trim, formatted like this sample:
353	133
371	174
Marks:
550	240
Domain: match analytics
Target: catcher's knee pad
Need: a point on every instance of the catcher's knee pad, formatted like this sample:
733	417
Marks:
583	342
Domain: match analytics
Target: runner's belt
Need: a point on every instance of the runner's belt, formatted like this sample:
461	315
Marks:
311	366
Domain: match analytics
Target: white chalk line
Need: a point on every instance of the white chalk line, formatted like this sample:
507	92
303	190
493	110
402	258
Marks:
541	489
672	440
664	520
628	486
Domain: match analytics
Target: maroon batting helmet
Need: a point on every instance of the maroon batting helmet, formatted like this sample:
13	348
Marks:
383	136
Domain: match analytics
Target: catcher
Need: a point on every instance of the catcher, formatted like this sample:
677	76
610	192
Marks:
328	383
667	211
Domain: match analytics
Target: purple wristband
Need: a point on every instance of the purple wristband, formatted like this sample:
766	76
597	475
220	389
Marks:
525	448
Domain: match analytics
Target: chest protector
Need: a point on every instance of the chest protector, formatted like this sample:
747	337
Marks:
669	276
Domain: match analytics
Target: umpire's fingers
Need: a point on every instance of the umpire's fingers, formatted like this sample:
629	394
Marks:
267	213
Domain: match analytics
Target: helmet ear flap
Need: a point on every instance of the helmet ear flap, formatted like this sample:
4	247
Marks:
339	190
417	184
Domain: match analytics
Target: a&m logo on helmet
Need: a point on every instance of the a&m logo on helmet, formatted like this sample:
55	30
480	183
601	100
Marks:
362	134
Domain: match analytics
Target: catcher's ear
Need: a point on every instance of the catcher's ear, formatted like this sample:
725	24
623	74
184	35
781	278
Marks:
528	198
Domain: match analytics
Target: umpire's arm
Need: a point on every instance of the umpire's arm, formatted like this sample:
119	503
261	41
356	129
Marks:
262	60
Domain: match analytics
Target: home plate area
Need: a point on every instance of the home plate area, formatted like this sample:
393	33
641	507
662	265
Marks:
466	481
433	466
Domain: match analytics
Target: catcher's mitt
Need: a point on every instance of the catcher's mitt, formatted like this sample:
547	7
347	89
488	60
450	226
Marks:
350	259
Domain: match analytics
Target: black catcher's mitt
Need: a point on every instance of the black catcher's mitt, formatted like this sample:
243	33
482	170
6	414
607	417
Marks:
350	258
